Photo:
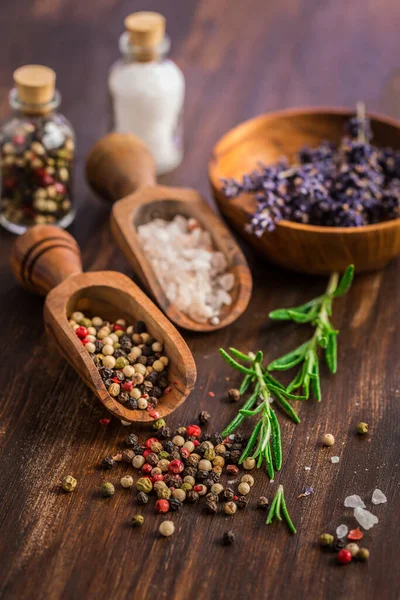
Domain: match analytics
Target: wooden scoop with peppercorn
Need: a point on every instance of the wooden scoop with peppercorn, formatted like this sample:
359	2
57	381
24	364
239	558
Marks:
115	338
120	167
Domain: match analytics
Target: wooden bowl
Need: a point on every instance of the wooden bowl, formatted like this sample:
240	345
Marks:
304	248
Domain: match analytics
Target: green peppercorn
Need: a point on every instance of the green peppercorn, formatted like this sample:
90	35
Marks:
362	428
144	485
137	520
164	493
68	483
363	554
209	454
163	455
85	322
121	362
186	487
326	539
107	489
159	424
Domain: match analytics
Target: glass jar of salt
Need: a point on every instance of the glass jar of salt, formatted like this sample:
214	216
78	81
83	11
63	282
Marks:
37	147
148	89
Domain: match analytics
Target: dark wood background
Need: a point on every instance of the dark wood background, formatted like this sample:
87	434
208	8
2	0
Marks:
240	59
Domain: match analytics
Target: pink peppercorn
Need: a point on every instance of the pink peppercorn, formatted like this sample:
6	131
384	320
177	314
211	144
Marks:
127	386
344	556
196	443
184	452
147	452
151	441
157	477
154	414
118	327
147	468
193	431
81	332
162	506
176	466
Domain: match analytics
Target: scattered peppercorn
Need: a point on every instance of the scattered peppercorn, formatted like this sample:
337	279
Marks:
243	489
107	489
242	502
192	496
230	508
344	556
263	503
127	481
249	464
166	528
204	417
362	428
211	505
162	506
68	483
328	439
363	554
228	494
228	538
137	520
108	462
175	504
131	439
353	549
144	484
234	395
326	539
142	498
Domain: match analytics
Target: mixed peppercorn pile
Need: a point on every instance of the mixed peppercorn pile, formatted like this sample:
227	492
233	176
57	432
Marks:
349	185
131	363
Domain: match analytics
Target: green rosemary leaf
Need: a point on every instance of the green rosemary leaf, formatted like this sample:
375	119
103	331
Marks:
271	512
244	386
232	362
274	390
331	353
297	382
259	357
315	381
250	413
278	505
268	462
286	514
283	314
284	404
276	442
345	282
240	355
251	442
289	360
238	420
259	461
268	378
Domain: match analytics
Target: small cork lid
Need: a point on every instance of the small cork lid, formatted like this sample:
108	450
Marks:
35	85
146	29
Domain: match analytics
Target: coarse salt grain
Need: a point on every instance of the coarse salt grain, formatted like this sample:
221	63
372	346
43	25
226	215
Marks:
342	531
378	497
192	274
353	501
334	459
365	518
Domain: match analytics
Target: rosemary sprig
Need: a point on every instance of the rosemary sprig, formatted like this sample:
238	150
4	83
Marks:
265	443
279	508
316	312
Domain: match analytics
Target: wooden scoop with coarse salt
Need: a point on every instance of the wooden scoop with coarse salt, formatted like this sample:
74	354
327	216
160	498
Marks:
120	168
47	260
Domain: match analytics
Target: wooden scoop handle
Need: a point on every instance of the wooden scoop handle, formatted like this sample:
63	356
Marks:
43	257
119	164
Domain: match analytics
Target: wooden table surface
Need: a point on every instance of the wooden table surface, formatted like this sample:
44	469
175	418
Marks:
240	59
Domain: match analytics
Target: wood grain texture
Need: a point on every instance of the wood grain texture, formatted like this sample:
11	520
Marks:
241	59
47	260
304	248
120	165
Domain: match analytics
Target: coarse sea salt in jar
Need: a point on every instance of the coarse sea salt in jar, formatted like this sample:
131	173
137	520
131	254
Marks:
148	89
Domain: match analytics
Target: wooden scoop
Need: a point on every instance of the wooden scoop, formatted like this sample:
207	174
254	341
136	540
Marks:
47	260
121	166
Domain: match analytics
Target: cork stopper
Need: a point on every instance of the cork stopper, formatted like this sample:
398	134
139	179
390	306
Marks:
146	29
35	86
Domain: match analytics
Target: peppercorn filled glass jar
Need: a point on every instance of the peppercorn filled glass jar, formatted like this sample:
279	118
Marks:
37	146
148	90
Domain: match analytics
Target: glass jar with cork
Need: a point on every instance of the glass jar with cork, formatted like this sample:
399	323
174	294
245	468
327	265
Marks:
37	146
148	89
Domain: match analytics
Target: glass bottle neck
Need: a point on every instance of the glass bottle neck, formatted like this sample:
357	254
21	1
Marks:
133	53
34	109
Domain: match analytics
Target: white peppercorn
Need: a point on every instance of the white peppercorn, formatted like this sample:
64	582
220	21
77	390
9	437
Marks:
166	528
138	461
179	494
230	508
243	489
142	403
178	440
205	465
127	481
249	464
247	479
108	361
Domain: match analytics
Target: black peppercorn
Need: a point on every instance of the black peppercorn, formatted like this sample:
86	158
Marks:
163	433
99	347
175	504
175	455
139	327
228	494
216	438
173	480
163	382
263	503
191	471
235	456
215	477
338	544
127	455
108	382
152	459
211	505
192	496
153	401
142	360
208	482
204	417
228	538
119	375
211	497
123	397
168	446
157	392
180	431
152	377
201	475
119	352
242	502
146	350
238	438
132	404
131	439
138	450
205	437
108	462
142	498
107	373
